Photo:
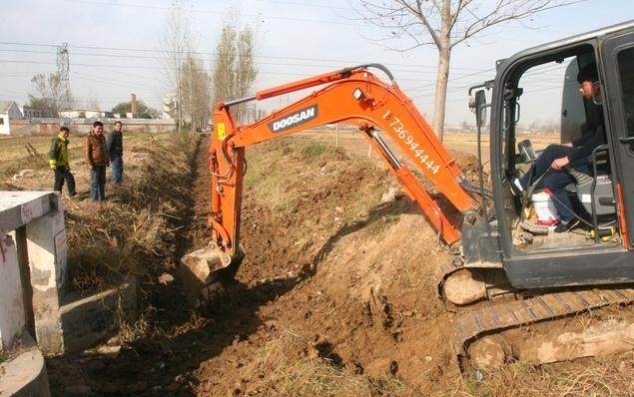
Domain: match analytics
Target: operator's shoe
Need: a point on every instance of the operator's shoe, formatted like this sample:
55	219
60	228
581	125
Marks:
516	187
567	226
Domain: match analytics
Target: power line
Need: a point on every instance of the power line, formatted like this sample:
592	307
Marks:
211	60
162	68
145	50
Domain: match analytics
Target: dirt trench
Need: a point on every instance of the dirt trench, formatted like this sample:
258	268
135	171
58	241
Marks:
336	297
337	284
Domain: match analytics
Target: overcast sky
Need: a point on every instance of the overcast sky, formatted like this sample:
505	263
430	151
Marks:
115	45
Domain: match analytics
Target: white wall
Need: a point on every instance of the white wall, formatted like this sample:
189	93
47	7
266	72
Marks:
12	318
4	124
13	113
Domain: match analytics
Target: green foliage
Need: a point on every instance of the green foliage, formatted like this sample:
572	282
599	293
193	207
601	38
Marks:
143	111
313	149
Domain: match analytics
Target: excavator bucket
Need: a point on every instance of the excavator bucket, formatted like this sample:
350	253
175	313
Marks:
203	272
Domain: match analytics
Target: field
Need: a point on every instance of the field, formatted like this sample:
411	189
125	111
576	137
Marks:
336	296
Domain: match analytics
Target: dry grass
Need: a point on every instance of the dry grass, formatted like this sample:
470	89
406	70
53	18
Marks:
312	373
275	162
134	232
604	376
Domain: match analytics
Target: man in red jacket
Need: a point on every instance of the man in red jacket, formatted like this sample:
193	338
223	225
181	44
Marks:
97	158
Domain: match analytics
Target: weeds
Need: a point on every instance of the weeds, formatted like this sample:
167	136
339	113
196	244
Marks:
133	234
313	149
311	375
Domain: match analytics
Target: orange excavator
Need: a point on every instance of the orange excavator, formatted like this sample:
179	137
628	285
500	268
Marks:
352	96
508	251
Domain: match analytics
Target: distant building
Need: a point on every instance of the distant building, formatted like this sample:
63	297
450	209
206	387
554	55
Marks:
73	114
85	114
8	111
33	113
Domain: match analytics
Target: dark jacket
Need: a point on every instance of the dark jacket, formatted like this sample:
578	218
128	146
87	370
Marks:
58	153
594	137
115	144
96	150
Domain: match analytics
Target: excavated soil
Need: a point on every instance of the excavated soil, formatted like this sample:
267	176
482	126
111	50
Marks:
335	275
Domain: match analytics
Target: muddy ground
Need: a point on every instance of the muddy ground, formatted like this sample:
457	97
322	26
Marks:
336	297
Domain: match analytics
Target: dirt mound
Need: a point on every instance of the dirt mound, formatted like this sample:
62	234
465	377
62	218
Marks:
336	284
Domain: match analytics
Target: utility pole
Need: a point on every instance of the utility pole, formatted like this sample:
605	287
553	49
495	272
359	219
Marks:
63	70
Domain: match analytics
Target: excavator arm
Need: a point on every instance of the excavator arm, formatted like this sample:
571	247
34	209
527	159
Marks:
352	96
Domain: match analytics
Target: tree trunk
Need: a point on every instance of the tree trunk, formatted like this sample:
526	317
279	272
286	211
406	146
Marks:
444	56
442	77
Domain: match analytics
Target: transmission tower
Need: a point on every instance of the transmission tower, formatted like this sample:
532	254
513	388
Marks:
63	69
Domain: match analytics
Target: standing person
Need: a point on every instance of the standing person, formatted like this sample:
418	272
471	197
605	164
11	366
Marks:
115	150
97	158
58	159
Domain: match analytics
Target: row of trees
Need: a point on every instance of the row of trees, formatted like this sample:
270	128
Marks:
232	75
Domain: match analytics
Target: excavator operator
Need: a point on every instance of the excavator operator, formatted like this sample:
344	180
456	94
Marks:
575	154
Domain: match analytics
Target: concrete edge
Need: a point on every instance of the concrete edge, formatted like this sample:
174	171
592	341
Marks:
90	320
24	375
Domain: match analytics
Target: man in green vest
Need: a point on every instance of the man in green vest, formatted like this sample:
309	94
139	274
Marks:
58	160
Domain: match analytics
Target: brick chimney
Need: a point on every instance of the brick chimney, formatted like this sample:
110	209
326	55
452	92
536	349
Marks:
133	109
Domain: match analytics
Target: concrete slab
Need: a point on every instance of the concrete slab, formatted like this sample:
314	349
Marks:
88	321
24	375
19	208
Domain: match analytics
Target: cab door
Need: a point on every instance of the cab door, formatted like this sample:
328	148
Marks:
618	58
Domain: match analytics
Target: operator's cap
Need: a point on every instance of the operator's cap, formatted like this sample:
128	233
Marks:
588	73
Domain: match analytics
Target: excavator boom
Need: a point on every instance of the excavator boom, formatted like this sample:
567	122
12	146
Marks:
353	96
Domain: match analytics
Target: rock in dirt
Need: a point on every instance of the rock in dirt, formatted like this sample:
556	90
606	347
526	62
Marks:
165	279
104	351
392	194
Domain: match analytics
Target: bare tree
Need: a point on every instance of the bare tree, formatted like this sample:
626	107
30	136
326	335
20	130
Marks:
234	69
50	93
177	43
196	93
446	24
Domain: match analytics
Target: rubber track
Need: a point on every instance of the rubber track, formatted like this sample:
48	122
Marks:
492	319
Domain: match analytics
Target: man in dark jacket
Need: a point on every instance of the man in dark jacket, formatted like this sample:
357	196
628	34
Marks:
115	150
574	154
58	160
97	158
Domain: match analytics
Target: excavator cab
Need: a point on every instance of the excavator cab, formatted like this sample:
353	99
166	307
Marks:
525	120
